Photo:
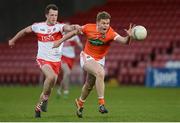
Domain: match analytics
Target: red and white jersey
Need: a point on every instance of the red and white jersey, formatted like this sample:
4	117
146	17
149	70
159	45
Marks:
68	49
46	35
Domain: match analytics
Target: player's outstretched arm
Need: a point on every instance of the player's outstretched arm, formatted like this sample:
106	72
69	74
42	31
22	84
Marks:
19	35
65	37
127	39
68	28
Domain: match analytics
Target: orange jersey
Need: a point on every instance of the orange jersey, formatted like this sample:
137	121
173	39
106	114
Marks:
97	45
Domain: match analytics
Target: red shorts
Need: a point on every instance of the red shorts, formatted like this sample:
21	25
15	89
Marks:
68	61
54	65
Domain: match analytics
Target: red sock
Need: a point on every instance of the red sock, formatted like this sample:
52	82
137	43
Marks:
81	102
101	101
38	107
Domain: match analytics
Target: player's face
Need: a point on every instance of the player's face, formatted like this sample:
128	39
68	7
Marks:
52	16
103	25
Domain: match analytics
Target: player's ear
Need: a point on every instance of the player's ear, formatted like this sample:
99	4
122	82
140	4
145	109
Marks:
97	22
46	15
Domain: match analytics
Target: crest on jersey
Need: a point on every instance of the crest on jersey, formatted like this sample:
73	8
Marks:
49	30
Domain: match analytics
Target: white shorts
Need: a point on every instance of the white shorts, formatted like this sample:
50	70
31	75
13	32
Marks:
85	57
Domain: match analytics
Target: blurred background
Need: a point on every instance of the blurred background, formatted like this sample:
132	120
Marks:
125	64
142	78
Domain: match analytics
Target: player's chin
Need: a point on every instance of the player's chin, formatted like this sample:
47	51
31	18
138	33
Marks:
104	30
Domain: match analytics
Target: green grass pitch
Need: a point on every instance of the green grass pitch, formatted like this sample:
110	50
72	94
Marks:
136	104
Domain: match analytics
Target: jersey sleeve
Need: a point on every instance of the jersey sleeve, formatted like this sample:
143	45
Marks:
34	27
84	29
113	34
61	26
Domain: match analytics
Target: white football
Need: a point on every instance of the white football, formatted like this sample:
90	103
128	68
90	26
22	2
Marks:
139	32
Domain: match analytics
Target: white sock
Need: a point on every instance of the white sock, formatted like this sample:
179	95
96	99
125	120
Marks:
66	92
58	91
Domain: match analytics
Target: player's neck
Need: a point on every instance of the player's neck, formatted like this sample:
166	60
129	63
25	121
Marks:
49	23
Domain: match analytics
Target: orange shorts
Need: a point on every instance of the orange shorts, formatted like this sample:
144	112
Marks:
68	61
54	65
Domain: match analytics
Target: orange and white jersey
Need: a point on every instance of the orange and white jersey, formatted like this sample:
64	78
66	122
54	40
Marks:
46	35
68	49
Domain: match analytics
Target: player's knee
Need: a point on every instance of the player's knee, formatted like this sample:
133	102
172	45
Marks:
50	78
67	73
100	74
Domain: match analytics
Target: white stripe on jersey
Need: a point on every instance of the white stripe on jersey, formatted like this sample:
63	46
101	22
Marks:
46	36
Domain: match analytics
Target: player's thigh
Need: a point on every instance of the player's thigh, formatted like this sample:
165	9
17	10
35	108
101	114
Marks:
93	67
65	68
48	71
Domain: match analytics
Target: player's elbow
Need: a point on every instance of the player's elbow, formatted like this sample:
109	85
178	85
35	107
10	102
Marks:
25	31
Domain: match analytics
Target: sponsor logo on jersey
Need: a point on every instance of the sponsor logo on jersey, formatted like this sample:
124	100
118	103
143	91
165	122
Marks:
42	30
96	42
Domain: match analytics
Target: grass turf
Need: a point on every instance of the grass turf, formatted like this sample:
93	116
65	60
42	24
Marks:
136	104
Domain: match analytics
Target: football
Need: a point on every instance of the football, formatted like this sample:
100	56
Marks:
139	32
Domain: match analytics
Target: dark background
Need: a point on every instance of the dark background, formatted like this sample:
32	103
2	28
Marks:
17	14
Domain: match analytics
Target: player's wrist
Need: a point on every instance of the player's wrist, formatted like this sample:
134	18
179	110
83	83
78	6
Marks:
128	39
76	32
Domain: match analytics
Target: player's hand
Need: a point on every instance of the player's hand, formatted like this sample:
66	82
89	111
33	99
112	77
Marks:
78	28
11	43
129	31
56	44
